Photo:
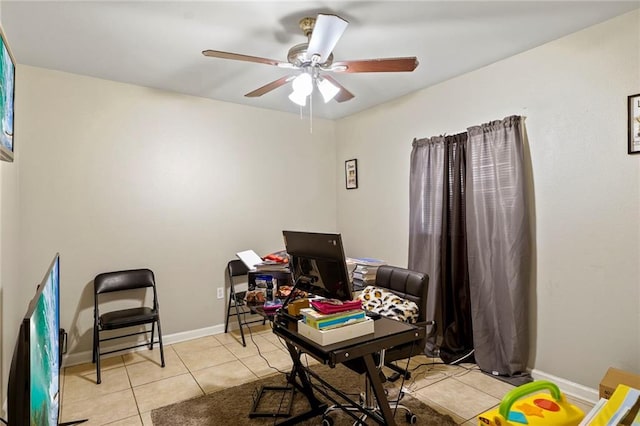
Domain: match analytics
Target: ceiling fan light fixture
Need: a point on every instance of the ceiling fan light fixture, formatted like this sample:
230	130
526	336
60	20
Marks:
303	84
298	98
327	89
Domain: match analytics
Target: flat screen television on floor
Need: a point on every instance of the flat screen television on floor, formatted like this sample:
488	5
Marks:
318	264
34	386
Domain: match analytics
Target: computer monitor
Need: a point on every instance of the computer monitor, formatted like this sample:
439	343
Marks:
318	264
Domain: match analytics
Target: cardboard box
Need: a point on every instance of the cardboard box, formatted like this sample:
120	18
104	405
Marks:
335	335
615	377
294	307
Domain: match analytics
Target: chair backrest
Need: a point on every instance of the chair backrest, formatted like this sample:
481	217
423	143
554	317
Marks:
411	285
123	280
237	268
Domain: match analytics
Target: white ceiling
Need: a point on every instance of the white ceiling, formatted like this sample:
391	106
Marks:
158	44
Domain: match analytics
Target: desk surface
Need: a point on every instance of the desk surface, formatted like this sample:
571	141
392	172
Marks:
387	333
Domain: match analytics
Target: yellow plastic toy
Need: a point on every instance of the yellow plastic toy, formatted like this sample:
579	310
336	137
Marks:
537	410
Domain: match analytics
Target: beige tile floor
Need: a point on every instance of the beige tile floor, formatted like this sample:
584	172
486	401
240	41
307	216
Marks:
134	384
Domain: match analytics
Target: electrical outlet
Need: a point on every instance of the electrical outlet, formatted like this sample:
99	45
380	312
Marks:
220	292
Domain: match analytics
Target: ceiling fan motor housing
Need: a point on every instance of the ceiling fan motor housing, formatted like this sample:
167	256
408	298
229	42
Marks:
298	56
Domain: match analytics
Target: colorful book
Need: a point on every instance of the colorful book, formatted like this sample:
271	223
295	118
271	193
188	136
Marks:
320	321
335	322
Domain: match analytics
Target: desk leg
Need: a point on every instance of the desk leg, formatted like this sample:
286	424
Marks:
317	407
378	390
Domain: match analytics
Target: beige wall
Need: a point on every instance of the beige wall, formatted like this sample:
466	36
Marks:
115	176
573	93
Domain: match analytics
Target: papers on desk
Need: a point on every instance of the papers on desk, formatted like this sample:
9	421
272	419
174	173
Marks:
255	263
250	258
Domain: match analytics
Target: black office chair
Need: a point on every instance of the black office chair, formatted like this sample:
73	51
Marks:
409	285
110	282
237	268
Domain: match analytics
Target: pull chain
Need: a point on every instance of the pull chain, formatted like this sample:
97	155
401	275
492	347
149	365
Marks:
311	113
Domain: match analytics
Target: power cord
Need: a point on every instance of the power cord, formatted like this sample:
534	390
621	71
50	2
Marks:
258	348
3	421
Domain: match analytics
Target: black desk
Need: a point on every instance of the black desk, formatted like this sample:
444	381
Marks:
360	350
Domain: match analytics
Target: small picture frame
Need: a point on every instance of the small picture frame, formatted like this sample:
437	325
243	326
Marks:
633	126
351	173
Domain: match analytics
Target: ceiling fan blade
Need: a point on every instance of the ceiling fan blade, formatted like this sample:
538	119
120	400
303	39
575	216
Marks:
270	86
327	31
247	58
376	65
343	95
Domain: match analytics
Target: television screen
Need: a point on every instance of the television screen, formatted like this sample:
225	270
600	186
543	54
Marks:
7	95
33	394
44	334
318	264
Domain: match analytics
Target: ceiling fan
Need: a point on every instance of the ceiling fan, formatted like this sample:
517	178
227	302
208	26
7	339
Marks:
314	60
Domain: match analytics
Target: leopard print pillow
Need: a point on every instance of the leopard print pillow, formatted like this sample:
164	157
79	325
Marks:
389	304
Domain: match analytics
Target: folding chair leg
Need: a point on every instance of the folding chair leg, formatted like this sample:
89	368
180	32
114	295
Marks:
235	302
153	327
98	377
160	342
226	324
95	340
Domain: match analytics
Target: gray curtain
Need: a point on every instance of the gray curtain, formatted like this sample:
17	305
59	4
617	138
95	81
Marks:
426	192
469	231
438	243
499	245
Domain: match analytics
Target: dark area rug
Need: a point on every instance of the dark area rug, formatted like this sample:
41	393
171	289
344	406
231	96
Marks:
232	406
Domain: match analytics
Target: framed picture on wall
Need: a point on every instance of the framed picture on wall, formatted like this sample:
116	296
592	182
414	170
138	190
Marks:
7	84
633	116
351	173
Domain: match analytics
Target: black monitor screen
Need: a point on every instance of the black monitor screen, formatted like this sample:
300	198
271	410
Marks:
318	264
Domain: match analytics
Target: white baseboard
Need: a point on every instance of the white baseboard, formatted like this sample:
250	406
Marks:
575	390
167	339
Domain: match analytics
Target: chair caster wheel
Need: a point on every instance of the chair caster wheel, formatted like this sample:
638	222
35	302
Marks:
327	421
411	418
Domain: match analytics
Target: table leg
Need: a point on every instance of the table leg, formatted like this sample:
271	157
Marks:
317	407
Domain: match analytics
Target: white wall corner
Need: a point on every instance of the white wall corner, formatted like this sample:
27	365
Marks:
573	389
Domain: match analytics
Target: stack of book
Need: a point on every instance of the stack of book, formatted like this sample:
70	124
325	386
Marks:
271	266
329	321
320	321
365	272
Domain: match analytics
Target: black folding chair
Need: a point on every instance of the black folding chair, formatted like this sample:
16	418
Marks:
236	268
111	282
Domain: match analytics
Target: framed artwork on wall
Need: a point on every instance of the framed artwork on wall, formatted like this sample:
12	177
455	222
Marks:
633	116
351	173
7	96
